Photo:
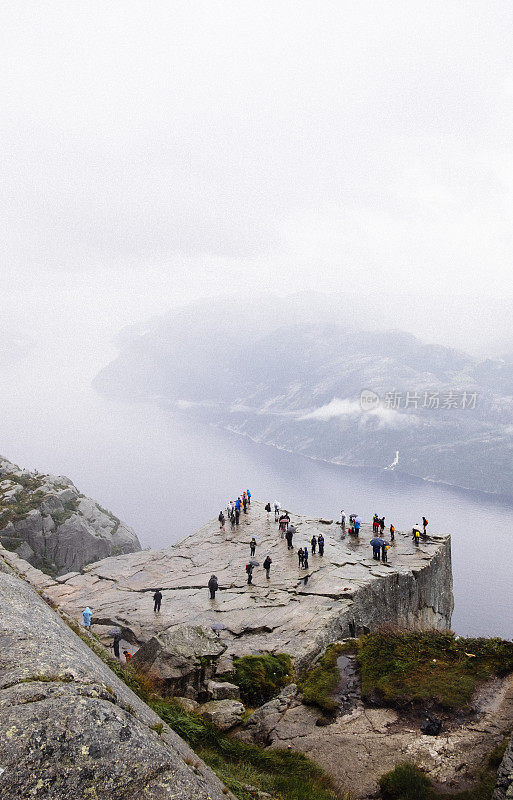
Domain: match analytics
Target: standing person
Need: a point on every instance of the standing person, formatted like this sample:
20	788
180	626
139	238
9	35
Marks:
245	503
375	524
249	572
237	515
248	493
285	518
376	550
384	554
232	519
392	533
382	524
267	566
252	546
222	520
320	542
289	534
213	586
305	557
86	617
342	520
238	504
313	542
157	600
300	556
276	510
416	535
425	523
268	509
357	524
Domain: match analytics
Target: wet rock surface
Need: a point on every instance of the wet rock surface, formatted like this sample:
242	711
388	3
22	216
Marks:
348	593
45	520
69	728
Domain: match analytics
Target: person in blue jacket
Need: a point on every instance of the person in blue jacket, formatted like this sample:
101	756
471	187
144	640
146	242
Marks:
248	494
86	616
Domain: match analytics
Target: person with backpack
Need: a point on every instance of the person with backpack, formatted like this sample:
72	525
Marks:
384	552
157	600
222	520
213	586
320	542
305	557
425	523
252	546
416	535
268	509
313	542
249	572
288	535
392	533
267	566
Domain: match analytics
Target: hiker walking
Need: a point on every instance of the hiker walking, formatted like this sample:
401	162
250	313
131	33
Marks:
288	535
300	556
267	566
249	572
222	520
252	546
305	557
313	542
425	523
392	533
157	600
268	509
86	617
213	586
320	542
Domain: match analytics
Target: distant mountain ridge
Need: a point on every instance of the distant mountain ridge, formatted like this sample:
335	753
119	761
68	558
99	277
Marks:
298	386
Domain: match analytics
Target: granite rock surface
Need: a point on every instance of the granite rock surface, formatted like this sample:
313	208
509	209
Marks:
49	523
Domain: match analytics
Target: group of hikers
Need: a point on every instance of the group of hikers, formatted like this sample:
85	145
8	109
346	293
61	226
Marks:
233	510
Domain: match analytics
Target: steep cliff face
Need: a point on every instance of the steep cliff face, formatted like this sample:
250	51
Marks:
347	592
45	520
70	728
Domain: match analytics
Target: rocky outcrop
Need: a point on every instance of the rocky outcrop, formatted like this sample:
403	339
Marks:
46	521
183	656
70	728
347	592
504	787
224	714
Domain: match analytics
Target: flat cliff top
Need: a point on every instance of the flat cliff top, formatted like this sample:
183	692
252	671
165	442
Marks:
279	614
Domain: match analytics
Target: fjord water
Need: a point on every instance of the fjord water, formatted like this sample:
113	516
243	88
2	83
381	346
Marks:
166	475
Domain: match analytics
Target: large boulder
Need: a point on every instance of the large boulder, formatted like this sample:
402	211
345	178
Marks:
183	655
224	714
45	520
222	690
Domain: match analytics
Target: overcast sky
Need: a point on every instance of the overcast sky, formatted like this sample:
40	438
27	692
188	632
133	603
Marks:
154	152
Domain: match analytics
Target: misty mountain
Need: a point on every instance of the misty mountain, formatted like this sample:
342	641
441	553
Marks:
297	385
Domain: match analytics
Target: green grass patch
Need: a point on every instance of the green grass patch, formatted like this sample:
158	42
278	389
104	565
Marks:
261	678
319	682
404	667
